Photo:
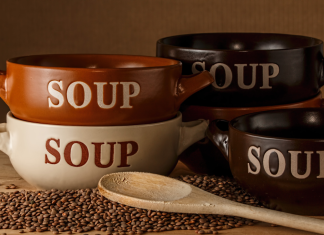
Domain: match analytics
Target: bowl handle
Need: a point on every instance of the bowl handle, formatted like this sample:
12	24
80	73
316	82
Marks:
321	79
217	133
191	132
3	86
4	139
190	84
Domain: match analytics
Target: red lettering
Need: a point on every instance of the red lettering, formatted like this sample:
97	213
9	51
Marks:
84	156
123	152
98	154
52	151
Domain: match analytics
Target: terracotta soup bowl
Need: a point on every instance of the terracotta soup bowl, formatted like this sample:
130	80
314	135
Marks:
277	156
96	89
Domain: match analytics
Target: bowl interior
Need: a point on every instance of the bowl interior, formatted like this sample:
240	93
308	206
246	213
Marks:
240	41
94	61
287	123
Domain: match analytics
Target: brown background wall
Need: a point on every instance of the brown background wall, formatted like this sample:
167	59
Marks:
133	26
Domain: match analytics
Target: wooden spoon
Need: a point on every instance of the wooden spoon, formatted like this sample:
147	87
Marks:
156	192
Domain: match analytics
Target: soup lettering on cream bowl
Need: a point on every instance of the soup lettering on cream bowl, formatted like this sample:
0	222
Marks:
96	90
72	157
277	156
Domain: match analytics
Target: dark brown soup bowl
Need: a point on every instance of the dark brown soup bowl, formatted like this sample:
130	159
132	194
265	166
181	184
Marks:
202	157
277	156
250	69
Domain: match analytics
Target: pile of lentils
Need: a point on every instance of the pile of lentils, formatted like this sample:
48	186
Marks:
80	211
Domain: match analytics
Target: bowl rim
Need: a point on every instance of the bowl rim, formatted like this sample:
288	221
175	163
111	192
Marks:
161	42
231	127
11	117
175	63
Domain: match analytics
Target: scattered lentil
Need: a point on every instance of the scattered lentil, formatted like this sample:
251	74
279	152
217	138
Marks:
80	211
10	186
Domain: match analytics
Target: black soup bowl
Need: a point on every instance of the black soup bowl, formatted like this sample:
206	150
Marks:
250	69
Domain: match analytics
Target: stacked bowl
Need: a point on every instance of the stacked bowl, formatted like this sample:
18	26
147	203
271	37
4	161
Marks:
75	118
265	110
253	72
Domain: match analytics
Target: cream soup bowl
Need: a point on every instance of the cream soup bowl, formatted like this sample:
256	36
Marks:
72	157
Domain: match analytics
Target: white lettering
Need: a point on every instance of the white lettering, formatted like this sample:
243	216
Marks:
294	164
87	95
126	93
254	160
193	67
282	162
228	75
58	95
321	164
240	75
100	88
267	76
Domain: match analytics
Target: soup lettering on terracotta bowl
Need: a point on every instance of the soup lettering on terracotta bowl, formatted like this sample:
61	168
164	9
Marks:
277	156
250	69
72	157
202	157
97	90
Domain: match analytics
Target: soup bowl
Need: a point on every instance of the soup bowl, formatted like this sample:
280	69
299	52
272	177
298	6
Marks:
72	157
202	157
277	156
96	90
250	69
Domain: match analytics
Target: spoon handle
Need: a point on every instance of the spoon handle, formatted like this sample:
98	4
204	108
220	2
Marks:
278	218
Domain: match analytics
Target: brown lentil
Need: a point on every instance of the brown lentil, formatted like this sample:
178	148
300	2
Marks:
81	211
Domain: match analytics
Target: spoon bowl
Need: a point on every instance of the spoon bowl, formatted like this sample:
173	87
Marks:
134	185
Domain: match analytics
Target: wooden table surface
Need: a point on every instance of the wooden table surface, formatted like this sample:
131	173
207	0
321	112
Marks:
9	176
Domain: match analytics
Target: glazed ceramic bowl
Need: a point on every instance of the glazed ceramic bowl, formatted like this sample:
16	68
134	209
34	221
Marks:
202	157
71	157
96	90
250	69
277	156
